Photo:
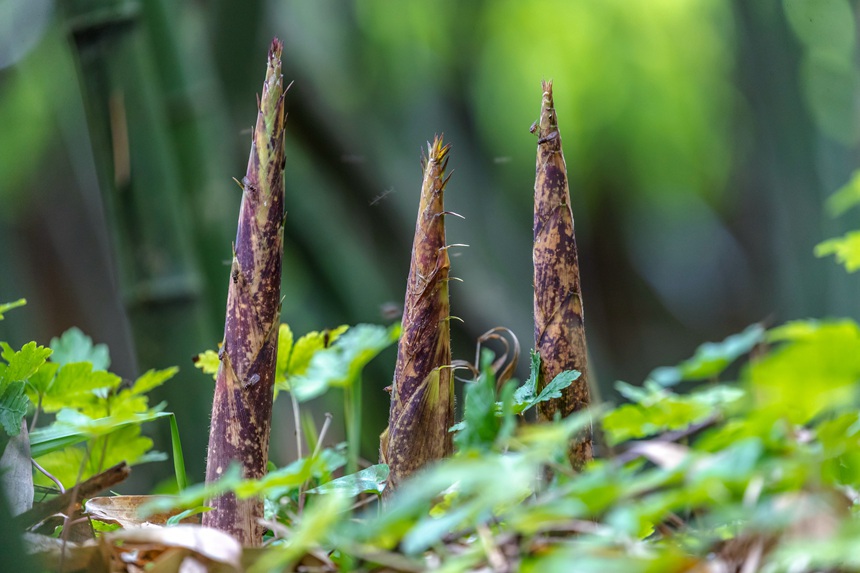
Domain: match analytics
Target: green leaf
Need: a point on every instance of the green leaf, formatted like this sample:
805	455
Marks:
39	382
153	379
72	427
178	456
817	371
208	362
123	444
659	410
175	519
13	407
75	346
554	388
525	396
845	248
285	350
23	363
369	480
78	386
846	197
711	358
195	495
484	420
527	392
340	364
7	306
314	528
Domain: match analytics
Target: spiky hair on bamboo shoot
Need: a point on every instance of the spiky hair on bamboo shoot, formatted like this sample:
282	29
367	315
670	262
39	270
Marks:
242	407
422	396
558	309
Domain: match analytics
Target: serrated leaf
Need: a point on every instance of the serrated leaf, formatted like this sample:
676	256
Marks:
845	248
39	382
75	346
305	347
369	480
7	306
13	407
77	386
525	396
481	422
554	388
711	358
153	379
340	364
208	362
25	362
526	393
124	444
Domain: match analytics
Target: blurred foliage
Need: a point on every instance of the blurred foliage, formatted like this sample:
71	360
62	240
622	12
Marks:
700	136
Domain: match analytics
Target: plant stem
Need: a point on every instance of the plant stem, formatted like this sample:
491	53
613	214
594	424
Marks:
298	423
352	414
48	475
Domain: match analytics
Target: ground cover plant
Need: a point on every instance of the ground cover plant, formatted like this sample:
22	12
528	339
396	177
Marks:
744	457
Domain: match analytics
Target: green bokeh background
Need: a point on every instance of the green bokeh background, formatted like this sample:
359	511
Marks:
701	136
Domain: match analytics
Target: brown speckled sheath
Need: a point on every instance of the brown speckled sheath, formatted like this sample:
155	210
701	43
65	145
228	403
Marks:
422	397
242	408
559	328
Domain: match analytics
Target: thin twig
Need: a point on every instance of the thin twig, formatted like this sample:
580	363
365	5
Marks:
48	475
71	506
633	454
326	424
298	426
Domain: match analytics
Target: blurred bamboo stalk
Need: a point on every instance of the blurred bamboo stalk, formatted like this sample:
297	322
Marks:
558	309
242	408
150	223
422	396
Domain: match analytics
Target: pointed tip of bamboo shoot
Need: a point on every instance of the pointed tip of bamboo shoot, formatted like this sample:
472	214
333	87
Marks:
437	152
548	119
276	49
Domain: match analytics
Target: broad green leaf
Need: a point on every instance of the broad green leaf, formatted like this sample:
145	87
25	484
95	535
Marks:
305	347
124	444
369	480
75	346
13	407
811	374
660	410
78	386
23	363
845	248
39	382
208	362
7	306
711	358
340	364
153	379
